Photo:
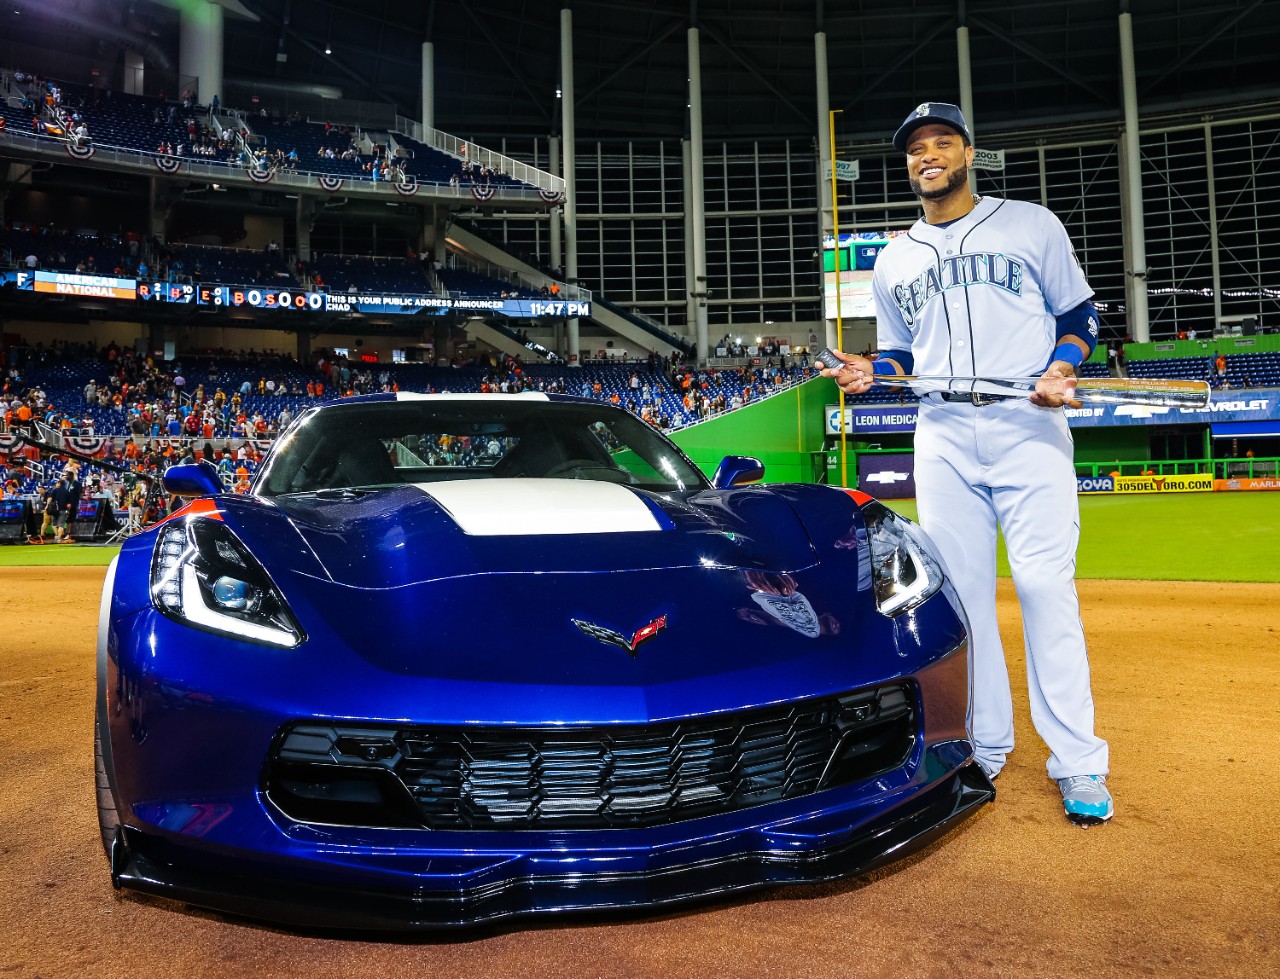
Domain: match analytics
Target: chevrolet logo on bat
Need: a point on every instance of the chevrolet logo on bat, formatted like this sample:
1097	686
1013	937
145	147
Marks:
617	638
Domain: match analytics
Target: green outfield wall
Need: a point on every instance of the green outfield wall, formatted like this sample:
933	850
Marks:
785	431
780	431
1102	445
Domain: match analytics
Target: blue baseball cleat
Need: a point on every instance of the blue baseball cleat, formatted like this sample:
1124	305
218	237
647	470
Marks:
1086	800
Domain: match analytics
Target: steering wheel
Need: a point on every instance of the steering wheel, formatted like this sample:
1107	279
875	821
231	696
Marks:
576	465
590	469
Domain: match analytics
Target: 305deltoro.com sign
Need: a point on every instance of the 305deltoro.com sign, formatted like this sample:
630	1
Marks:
1194	483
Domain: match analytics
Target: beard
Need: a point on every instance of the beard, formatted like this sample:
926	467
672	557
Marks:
957	179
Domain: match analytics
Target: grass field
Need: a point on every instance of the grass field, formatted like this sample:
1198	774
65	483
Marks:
1149	537
1173	537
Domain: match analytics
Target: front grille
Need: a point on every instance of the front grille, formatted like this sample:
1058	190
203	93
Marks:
587	778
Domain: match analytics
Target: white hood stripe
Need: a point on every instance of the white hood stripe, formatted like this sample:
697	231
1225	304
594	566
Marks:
522	507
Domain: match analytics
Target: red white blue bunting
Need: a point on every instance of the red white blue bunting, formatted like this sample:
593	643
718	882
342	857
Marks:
408	187
330	183
79	152
261	176
551	196
483	192
168	164
90	445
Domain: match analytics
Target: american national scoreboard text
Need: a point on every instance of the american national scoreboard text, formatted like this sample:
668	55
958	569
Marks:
219	295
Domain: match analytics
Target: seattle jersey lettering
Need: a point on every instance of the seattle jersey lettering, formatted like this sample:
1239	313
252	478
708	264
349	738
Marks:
957	272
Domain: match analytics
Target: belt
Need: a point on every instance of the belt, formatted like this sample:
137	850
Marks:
969	397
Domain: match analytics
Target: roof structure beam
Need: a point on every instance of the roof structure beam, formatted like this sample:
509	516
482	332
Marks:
281	56
737	56
351	73
501	54
891	70
639	53
1212	36
1039	56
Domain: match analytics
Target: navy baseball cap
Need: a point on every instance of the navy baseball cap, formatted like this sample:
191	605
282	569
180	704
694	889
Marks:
943	113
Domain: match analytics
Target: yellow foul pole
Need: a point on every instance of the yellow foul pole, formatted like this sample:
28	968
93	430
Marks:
835	227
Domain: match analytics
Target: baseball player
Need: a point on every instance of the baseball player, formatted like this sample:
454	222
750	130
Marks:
983	286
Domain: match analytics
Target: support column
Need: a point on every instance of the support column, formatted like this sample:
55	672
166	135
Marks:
556	231
303	352
570	166
690	299
826	200
157	209
694	196
1135	232
966	83
1213	228
428	233
428	88
200	48
304	218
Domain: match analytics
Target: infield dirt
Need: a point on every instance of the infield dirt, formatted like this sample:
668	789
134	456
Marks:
1184	882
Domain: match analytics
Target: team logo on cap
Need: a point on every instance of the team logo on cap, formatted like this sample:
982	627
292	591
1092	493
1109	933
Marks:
922	109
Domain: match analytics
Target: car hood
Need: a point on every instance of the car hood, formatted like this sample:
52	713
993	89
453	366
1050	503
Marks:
396	536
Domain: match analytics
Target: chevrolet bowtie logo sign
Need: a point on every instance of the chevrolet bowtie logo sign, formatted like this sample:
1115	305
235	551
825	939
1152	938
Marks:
888	477
617	638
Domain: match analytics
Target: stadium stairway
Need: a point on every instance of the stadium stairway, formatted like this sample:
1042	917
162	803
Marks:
637	331
498	337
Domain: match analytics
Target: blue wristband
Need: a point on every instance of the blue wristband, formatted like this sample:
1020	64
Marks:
1070	352
893	362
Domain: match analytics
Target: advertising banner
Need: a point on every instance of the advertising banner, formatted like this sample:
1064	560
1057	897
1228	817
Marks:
887	475
869	419
1095	484
1194	483
1247	483
1224	406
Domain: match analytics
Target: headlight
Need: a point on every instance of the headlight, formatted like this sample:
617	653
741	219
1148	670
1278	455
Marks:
203	576
904	570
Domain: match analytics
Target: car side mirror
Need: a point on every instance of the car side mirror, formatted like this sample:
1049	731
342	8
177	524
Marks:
737	471
200	479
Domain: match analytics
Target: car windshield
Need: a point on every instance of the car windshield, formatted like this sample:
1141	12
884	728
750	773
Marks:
360	445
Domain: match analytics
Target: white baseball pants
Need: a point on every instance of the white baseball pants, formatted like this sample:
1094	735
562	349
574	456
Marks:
1010	464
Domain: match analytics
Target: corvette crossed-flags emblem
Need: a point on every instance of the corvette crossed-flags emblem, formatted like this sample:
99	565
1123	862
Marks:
617	638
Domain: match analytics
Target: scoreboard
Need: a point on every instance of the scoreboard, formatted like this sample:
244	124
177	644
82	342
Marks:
232	296
259	298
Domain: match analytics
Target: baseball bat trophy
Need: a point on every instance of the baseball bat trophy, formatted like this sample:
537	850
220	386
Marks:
1154	391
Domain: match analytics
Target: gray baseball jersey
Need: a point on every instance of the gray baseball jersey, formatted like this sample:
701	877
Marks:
979	295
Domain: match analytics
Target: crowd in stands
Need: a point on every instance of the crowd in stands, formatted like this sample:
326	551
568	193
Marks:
132	412
88	114
130	255
51	248
390	276
293	144
261	140
135	413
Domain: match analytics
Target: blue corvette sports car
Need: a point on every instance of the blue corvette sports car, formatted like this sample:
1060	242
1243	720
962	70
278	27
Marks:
457	658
